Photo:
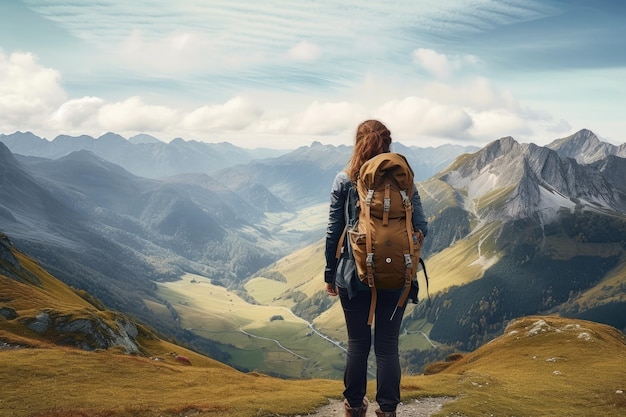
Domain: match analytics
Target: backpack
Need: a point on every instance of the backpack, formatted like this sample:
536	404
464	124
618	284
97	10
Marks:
385	247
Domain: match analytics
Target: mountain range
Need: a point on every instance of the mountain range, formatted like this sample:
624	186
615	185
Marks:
515	229
146	156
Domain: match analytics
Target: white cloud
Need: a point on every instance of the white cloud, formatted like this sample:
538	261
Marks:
433	62
418	116
274	126
498	123
327	118
28	91
136	116
440	65
77	113
478	93
236	114
173	52
471	109
305	51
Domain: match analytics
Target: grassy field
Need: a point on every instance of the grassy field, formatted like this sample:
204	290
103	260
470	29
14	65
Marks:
269	339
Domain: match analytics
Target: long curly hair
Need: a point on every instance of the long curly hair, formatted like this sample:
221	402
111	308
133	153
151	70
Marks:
372	138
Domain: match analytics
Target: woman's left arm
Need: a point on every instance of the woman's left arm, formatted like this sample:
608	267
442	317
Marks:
418	217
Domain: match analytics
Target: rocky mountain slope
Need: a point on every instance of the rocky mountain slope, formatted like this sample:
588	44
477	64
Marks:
585	147
526	231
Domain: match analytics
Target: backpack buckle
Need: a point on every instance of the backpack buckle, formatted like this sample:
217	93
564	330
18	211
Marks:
369	261
407	261
368	198
405	197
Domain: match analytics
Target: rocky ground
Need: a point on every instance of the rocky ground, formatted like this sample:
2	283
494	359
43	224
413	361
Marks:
422	407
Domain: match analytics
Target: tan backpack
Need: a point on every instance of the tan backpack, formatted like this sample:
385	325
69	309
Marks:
386	249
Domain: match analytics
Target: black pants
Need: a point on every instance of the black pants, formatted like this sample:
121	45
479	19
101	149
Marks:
386	333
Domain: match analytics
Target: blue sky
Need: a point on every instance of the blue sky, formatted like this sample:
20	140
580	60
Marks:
283	73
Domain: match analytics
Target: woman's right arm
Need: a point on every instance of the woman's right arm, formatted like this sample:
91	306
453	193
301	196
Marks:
336	224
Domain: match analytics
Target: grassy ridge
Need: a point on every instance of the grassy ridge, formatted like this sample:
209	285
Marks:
542	366
546	366
63	382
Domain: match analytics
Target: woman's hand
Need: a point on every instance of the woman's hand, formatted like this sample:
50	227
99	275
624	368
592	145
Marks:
331	289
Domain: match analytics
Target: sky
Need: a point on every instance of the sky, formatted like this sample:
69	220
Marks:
285	73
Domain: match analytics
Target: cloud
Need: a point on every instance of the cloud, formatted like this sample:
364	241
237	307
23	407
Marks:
468	109
497	123
77	113
433	62
134	115
236	114
417	116
28	91
174	52
476	92
305	51
440	65
327	118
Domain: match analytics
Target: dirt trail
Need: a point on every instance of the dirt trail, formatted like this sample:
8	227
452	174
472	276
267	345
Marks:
422	407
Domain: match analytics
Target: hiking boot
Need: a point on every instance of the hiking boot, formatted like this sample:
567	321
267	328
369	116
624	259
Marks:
381	413
355	412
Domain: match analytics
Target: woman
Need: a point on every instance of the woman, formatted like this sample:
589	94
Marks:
372	138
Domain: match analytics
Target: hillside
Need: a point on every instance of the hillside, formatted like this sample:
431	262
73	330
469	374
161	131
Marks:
76	364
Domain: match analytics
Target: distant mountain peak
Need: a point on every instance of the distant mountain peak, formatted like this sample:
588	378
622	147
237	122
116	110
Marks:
110	136
583	146
527	179
143	138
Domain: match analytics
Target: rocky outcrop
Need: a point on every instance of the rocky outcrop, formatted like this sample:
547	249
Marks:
87	330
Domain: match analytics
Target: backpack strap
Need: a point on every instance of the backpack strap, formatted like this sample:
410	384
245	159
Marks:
370	255
340	243
407	256
386	204
368	239
425	275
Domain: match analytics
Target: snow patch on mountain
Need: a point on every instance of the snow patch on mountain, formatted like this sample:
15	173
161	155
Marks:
551	202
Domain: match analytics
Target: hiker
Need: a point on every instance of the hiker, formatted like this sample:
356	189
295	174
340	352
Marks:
372	138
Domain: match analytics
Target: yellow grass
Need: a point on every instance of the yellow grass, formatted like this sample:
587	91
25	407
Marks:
526	372
215	303
545	366
62	382
462	256
266	291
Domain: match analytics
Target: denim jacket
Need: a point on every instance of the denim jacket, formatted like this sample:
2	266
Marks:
337	222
